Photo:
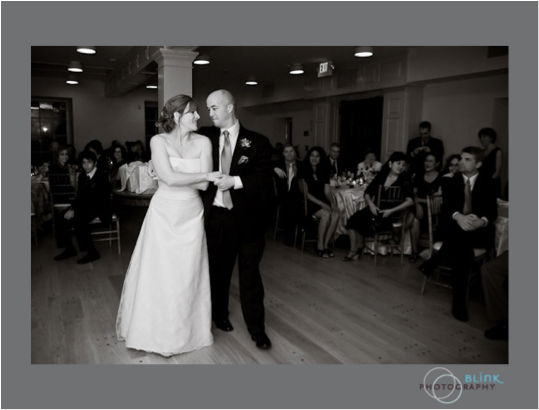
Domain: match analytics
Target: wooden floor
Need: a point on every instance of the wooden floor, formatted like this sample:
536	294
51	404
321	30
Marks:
317	311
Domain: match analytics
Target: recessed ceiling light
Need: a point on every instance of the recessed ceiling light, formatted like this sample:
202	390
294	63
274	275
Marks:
86	50
75	67
251	80
72	79
296	69
202	59
151	86
363	51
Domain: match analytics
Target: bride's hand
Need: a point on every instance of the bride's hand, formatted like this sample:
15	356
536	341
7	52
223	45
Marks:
214	176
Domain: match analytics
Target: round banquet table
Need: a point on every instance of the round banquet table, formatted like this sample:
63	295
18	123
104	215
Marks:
127	198
349	201
41	204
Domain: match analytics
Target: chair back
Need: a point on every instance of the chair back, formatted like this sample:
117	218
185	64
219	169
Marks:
305	191
434	214
62	188
275	188
392	195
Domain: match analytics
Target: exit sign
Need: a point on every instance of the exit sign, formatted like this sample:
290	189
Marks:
325	69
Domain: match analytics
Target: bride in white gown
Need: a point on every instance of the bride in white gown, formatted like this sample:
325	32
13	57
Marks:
165	306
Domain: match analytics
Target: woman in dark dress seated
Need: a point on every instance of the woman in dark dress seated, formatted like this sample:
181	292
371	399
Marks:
61	166
118	155
426	183
493	160
320	203
451	165
360	225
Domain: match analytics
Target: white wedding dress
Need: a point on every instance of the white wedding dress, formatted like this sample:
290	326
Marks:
165	306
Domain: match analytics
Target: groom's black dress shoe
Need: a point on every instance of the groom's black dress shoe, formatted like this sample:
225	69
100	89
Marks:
262	340
224	325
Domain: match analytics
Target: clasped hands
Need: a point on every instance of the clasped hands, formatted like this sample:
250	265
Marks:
222	181
469	222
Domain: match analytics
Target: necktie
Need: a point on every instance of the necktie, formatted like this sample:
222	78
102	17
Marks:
467	198
88	179
335	170
290	174
226	160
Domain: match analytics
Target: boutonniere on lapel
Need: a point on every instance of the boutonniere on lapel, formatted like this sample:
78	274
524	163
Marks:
245	143
243	160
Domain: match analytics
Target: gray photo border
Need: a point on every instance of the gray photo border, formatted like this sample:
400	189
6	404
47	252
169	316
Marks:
278	23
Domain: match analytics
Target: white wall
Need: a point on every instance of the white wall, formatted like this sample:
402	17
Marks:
457	110
94	115
268	119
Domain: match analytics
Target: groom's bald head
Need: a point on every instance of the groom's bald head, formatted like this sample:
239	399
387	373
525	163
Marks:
221	106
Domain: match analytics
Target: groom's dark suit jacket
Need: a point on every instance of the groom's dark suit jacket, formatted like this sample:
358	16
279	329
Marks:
484	204
251	203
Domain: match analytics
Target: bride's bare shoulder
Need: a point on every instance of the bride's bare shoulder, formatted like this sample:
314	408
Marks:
159	139
201	139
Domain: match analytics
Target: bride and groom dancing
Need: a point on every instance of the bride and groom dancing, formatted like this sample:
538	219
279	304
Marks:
179	276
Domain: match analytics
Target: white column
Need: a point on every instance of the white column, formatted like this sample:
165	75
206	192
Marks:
175	73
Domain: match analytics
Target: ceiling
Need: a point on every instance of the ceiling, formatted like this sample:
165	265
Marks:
228	63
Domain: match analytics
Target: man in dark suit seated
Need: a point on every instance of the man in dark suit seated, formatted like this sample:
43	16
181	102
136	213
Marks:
333	163
286	177
92	200
469	212
423	144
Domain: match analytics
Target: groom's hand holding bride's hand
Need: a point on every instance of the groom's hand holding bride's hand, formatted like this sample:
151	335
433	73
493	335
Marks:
225	182
214	176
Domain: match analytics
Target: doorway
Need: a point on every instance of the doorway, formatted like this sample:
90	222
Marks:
361	129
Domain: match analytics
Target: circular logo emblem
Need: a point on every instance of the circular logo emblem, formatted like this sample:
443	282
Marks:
449	398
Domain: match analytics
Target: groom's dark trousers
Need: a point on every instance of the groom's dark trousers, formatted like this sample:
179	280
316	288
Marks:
239	233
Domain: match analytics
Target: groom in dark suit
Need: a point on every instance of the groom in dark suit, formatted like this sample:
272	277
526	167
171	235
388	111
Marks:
236	215
469	211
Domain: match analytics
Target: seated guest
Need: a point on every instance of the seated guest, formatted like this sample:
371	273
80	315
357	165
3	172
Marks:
332	162
495	274
288	195
452	165
370	165
469	212
72	155
426	183
96	147
92	200
119	155
320	201
137	153
422	144
493	160
61	165
360	225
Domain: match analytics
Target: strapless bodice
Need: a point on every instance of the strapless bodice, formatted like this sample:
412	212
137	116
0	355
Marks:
185	165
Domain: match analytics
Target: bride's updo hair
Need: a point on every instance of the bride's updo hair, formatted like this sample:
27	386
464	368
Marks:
175	104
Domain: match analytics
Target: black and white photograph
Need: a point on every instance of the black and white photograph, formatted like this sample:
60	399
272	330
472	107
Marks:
269	204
